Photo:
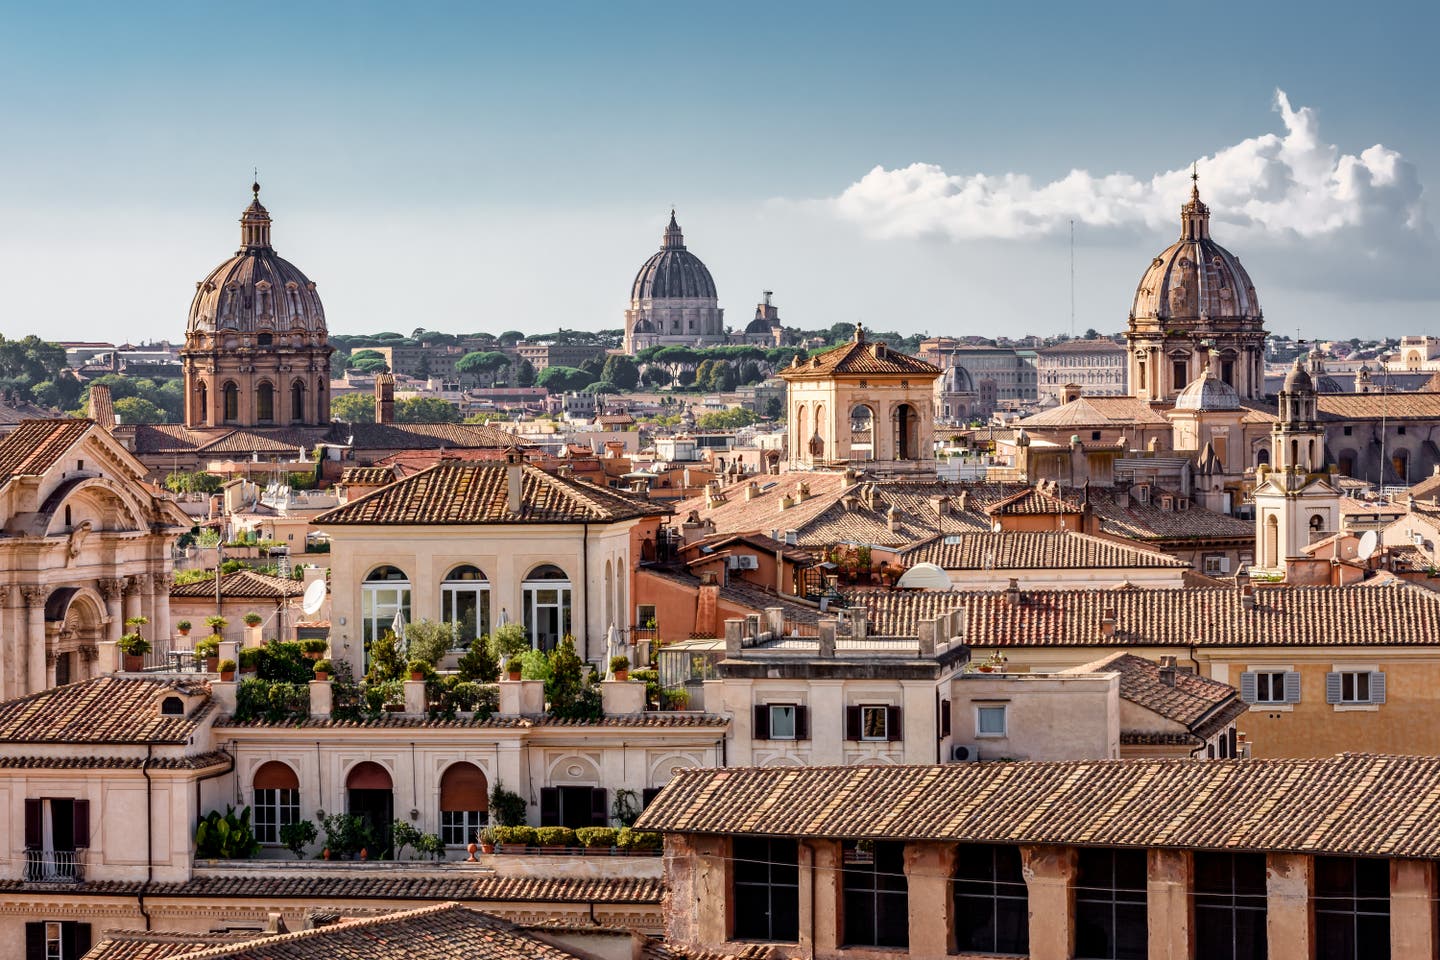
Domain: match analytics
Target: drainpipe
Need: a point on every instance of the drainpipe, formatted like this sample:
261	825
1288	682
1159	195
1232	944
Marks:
149	828
585	607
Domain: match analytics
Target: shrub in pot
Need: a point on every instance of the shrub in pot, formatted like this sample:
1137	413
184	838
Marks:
227	669
421	670
620	666
216	624
596	839
250	659
253	619
208	650
184	627
323	669
134	646
555	837
314	647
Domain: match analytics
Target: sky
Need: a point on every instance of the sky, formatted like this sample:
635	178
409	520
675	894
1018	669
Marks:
470	166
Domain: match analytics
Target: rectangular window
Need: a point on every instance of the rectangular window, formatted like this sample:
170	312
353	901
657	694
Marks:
1110	917
1355	687
1352	909
273	809
877	895
765	889
458	827
782	721
992	903
1230	906
872	723
1270	686
52	940
990	721
1217	564
1179	373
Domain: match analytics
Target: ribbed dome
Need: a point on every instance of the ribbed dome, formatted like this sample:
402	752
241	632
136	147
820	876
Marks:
256	291
673	273
1195	277
1208	393
1298	378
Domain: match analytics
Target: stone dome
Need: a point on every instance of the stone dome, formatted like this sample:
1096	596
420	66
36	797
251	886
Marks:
1195	277
1298	379
257	292
957	380
1208	393
674	273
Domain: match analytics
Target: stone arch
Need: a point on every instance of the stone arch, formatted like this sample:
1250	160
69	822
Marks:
905	432
573	769
802	430
99	502
297	401
663	769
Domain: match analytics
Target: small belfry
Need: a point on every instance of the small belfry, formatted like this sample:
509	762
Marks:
257	350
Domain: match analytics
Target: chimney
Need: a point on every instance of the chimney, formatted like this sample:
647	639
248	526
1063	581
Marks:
1247	597
785	502
890	518
1012	592
1107	623
514	480
102	410
802	492
385	398
752	490
1167	671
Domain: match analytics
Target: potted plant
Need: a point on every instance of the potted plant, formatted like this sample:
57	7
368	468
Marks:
314	647
514	668
250	659
515	839
323	669
597	841
486	836
216	624
421	670
555	839
620	666
253	619
208	650
184	627
134	646
227	669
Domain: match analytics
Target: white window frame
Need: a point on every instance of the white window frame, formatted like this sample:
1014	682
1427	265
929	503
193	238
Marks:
450	593
464	822
54	941
274	807
981	709
884	722
1272	707
1264	689
1368	705
772	707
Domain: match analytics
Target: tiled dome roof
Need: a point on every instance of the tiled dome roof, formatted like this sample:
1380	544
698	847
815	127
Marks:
1195	277
674	272
256	291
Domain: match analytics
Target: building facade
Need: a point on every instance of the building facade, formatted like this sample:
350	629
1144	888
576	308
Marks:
1097	367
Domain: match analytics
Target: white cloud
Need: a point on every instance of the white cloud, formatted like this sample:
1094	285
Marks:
1280	188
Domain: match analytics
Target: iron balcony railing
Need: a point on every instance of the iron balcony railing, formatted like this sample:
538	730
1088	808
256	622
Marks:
54	866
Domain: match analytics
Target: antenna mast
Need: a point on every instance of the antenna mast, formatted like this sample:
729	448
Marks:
1072	279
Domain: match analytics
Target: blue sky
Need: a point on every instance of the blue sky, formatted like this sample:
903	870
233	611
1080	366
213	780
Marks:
478	166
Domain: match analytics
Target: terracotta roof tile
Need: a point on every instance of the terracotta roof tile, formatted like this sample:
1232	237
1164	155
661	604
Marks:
861	358
1374	406
368	476
477	493
138	945
241	585
650	719
1034	550
35	446
1349	805
1096	412
1189	700
199	761
1151	521
101	710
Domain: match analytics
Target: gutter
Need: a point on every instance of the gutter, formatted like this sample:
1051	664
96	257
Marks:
149	832
585	571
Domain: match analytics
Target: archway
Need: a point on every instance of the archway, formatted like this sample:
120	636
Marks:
276	800
202	404
1272	542
862	432
906	423
74	626
802	431
297	401
370	795
231	410
546	593
464	802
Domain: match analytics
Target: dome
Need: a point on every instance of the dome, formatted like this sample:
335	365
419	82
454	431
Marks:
956	380
255	291
674	273
1208	393
758	325
1195	277
1298	379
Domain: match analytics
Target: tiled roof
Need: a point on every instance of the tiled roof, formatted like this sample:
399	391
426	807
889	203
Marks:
415	436
1082	346
241	585
1151	521
742	593
859	358
445	931
895	613
907	511
18	411
738	515
1350	805
1374	406
199	761
140	945
1427	489
648	719
717	542
1033	550
1032	502
101	710
368	476
1097	412
260	440
1189	700
35	446
156	438
476	493
381	885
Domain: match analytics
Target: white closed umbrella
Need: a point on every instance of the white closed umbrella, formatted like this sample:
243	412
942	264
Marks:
397	627
612	649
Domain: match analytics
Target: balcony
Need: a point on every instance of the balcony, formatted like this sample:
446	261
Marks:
54	866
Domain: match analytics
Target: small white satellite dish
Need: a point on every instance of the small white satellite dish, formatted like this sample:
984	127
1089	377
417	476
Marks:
1368	542
924	576
314	597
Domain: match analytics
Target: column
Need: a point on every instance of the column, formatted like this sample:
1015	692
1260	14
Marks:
1050	877
113	590
1289	883
160	622
827	896
35	638
1412	908
928	869
133	586
12	620
1168	903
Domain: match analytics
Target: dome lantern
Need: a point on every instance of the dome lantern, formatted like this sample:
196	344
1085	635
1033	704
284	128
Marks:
255	223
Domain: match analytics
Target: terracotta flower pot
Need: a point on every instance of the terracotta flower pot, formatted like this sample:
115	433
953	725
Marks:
134	663
416	675
227	675
212	664
622	674
487	848
515	675
321	675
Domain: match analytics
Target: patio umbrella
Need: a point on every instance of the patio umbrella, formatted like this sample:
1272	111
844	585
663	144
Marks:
397	627
613	648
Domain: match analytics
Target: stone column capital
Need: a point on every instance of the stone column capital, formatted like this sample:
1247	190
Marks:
111	588
137	583
34	596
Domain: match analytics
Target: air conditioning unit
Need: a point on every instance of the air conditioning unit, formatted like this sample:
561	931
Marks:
745	561
965	753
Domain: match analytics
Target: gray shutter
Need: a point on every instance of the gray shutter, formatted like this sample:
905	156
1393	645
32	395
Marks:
1332	688
1292	686
1377	687
1247	686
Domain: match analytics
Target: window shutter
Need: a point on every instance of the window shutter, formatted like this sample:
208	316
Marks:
852	723
1224	564
82	939
549	807
34	826
34	939
1377	687
944	718
1332	688
802	722
762	721
648	794
80	817
599	807
1292	686
892	723
1248	691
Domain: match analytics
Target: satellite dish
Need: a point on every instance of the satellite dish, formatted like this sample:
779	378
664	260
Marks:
314	597
1368	542
924	576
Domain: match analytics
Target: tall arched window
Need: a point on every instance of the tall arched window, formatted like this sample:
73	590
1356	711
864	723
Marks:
465	603
1272	542
862	431
297	401
277	800
464	802
265	403
202	403
802	432
546	596
231	410
385	592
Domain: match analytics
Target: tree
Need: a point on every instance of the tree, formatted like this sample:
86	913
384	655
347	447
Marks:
1092	334
28	361
198	482
593	365
621	371
353	408
524	373
570	694
749	372
702	373
677	358
727	419
602	386
773	409
478	665
511	337
721	377
657	377
564	379
385	660
426	410
429	640
138	410
482	364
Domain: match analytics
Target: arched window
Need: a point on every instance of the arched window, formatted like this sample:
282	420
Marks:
464	803
545	593
802	432
232	402
1262	456
265	403
1272	542
277	800
297	401
370	795
202	403
170	706
906	424
862	431
465	603
385	592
